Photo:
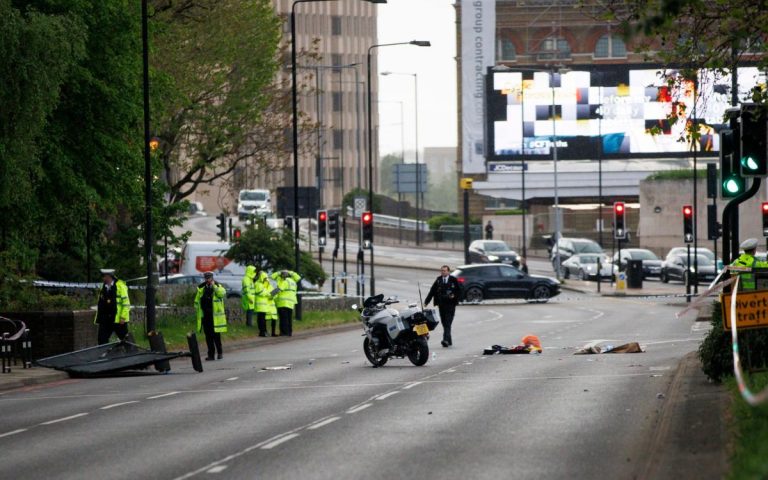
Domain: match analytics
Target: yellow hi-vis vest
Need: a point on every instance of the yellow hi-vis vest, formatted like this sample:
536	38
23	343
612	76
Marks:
219	315
287	298
747	281
123	303
249	289
263	290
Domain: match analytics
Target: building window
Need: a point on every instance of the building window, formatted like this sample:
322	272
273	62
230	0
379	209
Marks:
554	48
335	25
338	139
337	100
610	46
505	50
336	59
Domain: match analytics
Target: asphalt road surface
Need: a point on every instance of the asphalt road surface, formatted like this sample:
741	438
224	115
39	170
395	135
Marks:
314	409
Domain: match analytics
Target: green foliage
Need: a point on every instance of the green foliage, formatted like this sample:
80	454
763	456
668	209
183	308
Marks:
349	199
749	457
449	219
273	250
387	174
509	211
677	174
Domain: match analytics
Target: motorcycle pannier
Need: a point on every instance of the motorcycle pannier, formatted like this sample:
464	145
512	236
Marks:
433	318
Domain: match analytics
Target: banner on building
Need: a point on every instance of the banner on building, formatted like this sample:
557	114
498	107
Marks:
478	38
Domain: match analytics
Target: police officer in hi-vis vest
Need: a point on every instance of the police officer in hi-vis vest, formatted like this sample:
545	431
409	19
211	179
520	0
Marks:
114	308
748	260
211	318
287	282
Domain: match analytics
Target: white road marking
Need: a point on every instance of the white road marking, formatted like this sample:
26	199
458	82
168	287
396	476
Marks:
162	395
659	369
231	379
217	469
359	408
387	395
118	404
411	385
14	432
325	422
397	280
279	441
71	417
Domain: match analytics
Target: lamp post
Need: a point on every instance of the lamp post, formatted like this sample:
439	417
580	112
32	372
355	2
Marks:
402	162
148	234
416	141
418	43
295	136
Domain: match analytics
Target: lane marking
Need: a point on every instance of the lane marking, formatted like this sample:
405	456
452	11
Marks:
231	379
411	385
325	422
8	434
659	369
359	408
217	469
162	395
387	395
71	417
118	404
279	441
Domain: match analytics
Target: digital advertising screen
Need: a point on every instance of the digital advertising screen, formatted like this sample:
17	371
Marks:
617	111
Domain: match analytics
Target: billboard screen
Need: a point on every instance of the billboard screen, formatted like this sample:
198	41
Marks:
625	109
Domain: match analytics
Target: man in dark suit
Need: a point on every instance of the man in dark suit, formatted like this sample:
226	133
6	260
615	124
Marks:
446	292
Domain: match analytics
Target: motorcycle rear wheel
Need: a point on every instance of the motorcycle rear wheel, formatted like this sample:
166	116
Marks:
371	355
418	353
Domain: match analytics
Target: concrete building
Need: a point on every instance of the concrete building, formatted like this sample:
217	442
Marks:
334	155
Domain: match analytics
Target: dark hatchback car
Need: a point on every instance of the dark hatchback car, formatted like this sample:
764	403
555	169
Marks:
492	251
675	269
489	281
651	263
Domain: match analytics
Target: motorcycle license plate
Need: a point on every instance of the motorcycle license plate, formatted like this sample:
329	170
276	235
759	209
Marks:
421	329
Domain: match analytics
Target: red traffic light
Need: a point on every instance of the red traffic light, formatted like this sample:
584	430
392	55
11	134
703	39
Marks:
687	211
765	207
323	216
367	217
619	207
237	234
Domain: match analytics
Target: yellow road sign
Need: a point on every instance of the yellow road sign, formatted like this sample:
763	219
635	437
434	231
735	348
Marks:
466	183
751	309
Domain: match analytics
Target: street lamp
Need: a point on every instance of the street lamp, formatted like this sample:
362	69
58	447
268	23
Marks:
149	241
416	141
402	162
418	43
295	136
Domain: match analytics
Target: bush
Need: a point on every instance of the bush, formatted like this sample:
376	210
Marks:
449	219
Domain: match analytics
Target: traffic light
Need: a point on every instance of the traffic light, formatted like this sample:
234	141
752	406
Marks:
714	229
688	223
619	214
753	140
731	181
764	210
333	225
366	221
236	234
222	227
322	221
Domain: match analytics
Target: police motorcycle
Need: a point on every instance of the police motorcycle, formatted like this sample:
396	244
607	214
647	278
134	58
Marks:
393	334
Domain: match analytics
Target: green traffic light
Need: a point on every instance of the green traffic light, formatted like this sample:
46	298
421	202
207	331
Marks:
733	185
750	164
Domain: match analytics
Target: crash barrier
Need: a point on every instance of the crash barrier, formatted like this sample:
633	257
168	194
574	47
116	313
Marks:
15	344
751	398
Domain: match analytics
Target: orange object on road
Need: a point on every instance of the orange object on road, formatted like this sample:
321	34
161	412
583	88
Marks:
532	340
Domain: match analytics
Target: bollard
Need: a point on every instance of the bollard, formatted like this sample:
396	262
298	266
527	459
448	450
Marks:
26	349
6	358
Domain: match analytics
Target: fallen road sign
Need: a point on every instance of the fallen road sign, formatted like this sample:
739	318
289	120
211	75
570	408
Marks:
751	309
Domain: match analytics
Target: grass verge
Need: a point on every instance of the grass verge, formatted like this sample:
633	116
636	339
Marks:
749	459
174	329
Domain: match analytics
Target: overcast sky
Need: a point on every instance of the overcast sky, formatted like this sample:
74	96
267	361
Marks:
406	20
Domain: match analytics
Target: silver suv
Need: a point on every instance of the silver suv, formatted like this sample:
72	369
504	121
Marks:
568	247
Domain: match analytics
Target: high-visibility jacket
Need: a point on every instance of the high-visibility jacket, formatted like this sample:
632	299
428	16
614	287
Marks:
272	311
219	315
288	287
747	281
249	290
263	291
122	301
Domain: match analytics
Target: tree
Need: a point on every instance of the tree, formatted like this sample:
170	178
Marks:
387	172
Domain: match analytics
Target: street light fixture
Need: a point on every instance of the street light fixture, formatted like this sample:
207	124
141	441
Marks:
418	43
149	240
416	141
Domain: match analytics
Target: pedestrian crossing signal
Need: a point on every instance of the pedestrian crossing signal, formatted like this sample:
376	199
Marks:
322	227
688	223
619	214
366	221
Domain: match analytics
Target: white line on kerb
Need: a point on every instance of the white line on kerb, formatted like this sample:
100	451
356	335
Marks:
387	395
359	408
107	407
162	395
411	385
279	441
71	417
8	434
217	469
325	422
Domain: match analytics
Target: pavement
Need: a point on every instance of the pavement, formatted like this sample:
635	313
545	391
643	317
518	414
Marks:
313	408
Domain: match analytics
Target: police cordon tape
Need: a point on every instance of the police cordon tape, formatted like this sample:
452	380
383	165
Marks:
746	393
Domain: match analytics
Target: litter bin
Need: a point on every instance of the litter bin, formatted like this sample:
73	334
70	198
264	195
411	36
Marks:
634	274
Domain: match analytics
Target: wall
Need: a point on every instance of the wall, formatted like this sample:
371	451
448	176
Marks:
54	333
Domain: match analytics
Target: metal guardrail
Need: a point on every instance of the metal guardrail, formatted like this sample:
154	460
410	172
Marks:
405	223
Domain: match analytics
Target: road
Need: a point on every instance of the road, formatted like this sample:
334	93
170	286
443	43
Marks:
314	409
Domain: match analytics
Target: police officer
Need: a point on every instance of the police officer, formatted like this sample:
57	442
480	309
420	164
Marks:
249	294
262	290
748	260
211	319
112	314
286	299
489	230
446	292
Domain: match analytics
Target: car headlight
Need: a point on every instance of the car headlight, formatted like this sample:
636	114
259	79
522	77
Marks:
493	258
692	269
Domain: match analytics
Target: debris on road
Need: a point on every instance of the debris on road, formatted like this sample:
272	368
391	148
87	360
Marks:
280	367
529	344
606	346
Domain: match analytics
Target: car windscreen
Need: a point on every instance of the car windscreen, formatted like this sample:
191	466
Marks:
587	247
496	247
591	258
643	255
702	260
253	196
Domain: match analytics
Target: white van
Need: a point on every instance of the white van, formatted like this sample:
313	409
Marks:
253	202
200	257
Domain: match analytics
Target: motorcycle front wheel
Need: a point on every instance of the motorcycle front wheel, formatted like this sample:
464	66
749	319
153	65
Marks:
418	353
371	355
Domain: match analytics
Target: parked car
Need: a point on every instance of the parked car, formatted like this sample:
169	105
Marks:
568	247
676	268
651	263
492	251
196	208
487	281
701	251
584	266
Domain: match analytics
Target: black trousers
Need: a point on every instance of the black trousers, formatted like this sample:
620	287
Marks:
447	312
261	321
107	329
249	318
212	338
286	325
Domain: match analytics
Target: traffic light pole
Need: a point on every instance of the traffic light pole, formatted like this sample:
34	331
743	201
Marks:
687	276
731	222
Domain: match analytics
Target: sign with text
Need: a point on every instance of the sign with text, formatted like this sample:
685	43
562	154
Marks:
405	178
751	309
